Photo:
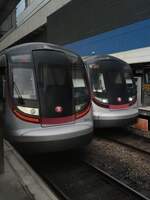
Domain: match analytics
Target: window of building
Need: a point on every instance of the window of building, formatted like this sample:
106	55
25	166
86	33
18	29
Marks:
20	7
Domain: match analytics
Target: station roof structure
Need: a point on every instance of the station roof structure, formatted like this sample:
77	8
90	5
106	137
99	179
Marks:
6	6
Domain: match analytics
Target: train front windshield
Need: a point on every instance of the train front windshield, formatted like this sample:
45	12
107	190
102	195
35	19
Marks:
112	83
54	88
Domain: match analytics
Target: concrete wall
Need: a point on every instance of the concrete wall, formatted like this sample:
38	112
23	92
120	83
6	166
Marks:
9	23
82	19
33	7
36	20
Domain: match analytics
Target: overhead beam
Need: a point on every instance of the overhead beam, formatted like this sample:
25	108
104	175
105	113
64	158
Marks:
33	22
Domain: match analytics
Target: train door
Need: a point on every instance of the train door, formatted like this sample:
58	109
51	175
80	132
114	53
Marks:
54	83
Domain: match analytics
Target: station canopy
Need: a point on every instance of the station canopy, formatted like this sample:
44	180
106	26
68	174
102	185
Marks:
6	7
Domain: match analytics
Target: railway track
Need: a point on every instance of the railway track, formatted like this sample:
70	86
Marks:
134	142
74	179
119	183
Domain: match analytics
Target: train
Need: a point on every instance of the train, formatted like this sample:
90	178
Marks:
114	93
46	95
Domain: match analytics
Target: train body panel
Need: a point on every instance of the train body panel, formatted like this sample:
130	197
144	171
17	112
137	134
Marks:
42	139
114	118
47	98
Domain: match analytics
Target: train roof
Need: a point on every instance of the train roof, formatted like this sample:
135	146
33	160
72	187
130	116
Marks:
28	47
95	58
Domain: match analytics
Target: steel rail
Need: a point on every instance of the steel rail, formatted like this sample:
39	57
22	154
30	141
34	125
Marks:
128	145
58	192
128	188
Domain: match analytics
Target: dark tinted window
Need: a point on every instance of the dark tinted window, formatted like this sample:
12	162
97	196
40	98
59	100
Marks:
112	79
61	82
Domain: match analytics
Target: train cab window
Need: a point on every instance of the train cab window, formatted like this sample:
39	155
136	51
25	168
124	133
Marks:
99	85
24	88
118	78
128	76
110	80
98	81
80	89
129	80
78	81
54	82
51	76
24	83
61	83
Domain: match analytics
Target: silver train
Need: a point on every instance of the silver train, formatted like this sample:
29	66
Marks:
46	97
114	92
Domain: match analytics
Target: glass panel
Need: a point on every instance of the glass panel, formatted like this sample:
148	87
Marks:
23	88
112	81
62	84
23	58
24	84
20	7
98	83
54	76
80	89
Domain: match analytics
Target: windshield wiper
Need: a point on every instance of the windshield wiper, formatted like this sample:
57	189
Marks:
20	99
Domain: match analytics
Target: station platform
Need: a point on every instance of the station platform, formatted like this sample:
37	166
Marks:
144	111
19	181
143	122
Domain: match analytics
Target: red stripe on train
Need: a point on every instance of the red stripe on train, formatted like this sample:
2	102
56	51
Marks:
119	107
58	120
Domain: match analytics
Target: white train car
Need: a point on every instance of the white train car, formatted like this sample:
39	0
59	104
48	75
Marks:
47	98
113	91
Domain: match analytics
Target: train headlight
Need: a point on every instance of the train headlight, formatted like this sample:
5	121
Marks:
102	100
79	107
28	110
33	111
130	99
